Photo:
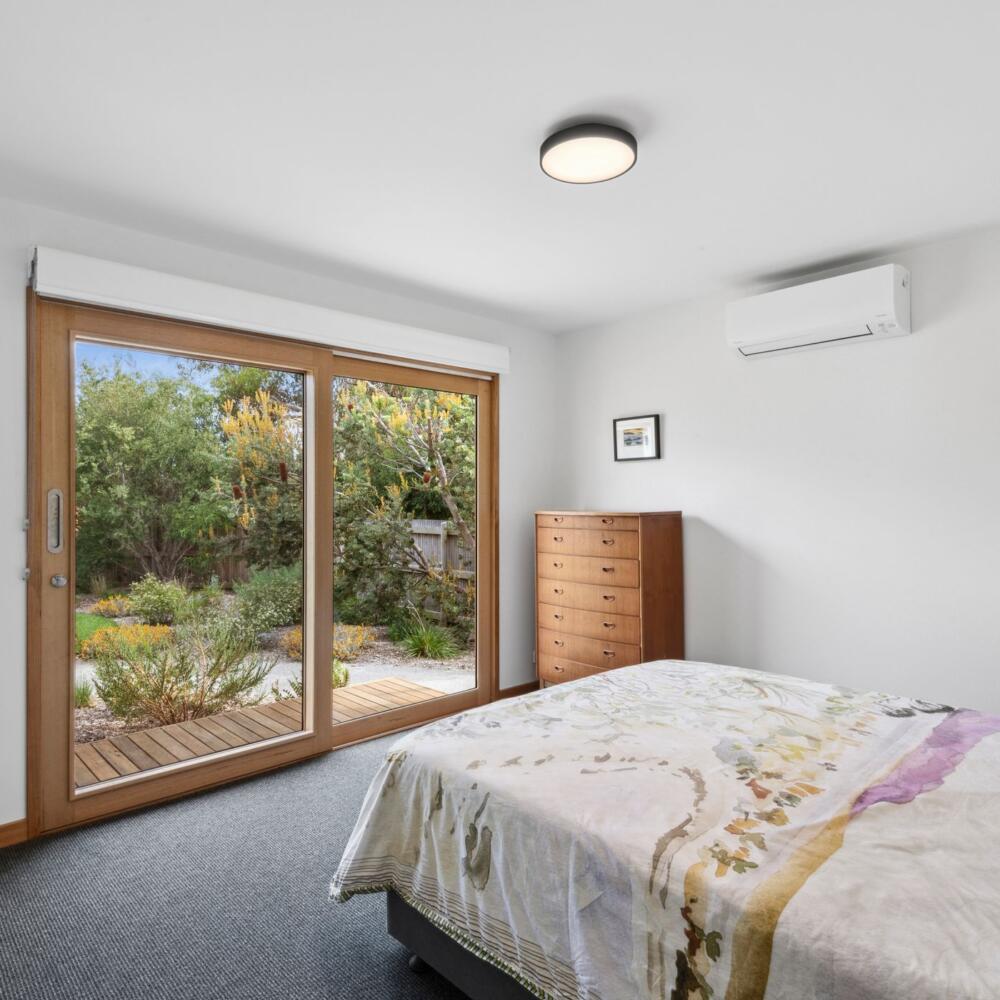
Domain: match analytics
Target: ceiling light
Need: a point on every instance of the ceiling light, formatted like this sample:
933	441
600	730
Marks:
586	154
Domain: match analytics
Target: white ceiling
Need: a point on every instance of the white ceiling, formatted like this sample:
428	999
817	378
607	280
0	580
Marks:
395	142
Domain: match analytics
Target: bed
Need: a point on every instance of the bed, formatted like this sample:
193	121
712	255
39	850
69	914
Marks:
687	830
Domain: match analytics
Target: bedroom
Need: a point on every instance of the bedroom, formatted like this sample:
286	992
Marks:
344	193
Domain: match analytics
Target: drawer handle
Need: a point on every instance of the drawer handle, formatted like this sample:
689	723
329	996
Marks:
558	538
557	565
607	569
558	520
607	597
609	652
558	669
559	590
607	520
607	541
558	642
609	624
558	618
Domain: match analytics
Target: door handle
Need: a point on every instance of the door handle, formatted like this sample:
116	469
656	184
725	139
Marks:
54	521
59	580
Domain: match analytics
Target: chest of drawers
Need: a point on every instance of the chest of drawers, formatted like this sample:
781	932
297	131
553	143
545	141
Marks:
609	591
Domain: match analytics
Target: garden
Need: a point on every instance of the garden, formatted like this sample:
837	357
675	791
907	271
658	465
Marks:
189	538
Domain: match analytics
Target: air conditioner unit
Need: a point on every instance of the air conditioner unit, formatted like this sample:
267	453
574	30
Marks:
865	305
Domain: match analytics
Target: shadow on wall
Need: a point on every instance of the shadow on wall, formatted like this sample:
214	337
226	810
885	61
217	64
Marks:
722	591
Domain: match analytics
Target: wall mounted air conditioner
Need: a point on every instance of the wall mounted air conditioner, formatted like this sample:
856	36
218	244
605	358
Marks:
865	305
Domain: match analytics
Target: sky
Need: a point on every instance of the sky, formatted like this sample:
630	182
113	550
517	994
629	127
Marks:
130	359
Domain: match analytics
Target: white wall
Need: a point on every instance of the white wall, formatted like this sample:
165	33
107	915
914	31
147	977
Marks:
527	476
842	505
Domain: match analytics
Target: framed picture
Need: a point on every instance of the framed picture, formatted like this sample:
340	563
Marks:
637	438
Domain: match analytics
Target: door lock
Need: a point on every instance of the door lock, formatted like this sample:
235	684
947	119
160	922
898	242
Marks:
58	580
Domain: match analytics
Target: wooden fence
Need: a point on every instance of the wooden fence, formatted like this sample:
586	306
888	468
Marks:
442	548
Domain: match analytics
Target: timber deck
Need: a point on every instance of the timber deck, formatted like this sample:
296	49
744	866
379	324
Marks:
132	753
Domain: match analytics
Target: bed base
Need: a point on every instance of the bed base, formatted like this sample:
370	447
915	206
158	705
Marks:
476	978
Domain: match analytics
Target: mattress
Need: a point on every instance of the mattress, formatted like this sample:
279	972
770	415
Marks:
687	830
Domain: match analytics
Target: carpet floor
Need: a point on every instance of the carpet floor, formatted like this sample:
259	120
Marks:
218	896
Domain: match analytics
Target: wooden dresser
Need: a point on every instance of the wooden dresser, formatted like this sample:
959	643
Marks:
610	591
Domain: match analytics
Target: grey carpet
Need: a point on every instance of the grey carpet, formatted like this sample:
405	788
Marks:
223	895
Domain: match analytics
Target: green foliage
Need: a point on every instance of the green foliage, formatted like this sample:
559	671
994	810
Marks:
149	459
86	625
429	641
454	601
270	599
83	694
401	452
264	441
340	677
157	602
112	606
208	665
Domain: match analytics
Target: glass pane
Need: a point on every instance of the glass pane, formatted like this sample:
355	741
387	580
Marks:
189	547
404	545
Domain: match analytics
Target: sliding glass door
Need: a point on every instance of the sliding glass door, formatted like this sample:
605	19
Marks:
244	551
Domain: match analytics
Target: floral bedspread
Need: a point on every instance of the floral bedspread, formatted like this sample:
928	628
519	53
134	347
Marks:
685	830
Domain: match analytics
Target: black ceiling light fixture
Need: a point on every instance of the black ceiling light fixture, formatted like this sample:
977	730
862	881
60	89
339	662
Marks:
588	153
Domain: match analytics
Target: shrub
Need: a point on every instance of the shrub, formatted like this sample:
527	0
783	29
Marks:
86	626
99	585
83	694
157	602
112	606
429	641
340	677
140	639
271	598
348	642
206	666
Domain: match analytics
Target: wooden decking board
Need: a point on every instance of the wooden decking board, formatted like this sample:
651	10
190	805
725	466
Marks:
153	748
101	769
277	727
360	704
82	775
227	736
229	723
188	740
205	735
134	752
171	745
247	722
114	756
281	711
148	749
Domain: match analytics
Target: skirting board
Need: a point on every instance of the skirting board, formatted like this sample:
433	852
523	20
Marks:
13	833
518	689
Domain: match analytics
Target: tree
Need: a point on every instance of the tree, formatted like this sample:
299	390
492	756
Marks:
148	467
264	443
399	452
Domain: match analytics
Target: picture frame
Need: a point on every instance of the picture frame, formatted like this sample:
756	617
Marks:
637	439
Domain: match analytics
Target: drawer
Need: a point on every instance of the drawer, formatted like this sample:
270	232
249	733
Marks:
556	669
577	542
584	650
593	624
588	569
587	597
595	522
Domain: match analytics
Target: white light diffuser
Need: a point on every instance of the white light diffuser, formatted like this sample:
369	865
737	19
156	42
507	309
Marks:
588	154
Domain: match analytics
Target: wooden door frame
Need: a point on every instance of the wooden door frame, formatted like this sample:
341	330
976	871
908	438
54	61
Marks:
48	769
